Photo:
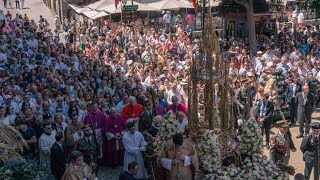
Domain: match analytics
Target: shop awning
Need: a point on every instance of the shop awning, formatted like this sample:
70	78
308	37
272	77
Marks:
170	4
113	10
100	4
78	9
93	14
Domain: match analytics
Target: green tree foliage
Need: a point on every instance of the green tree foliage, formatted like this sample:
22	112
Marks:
314	5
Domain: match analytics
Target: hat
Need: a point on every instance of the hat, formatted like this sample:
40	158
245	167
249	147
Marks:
245	81
250	74
165	69
282	123
259	52
7	97
162	76
315	126
184	82
129	62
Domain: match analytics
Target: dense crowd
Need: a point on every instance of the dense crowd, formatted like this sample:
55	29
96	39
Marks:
96	96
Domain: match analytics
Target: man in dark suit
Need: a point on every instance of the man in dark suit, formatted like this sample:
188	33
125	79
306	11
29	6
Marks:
305	101
88	146
310	148
264	116
145	121
133	169
291	93
58	158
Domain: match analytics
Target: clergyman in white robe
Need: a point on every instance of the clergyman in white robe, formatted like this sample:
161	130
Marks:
134	144
45	144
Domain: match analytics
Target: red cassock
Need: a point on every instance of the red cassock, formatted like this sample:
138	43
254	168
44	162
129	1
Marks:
131	111
114	149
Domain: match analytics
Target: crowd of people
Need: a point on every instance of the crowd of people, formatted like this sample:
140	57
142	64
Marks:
92	100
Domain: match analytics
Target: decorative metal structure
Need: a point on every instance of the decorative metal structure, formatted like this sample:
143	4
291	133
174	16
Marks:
208	69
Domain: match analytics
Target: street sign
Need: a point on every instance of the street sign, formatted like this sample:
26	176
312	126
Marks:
130	7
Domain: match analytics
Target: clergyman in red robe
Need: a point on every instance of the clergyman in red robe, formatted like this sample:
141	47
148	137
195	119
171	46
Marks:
132	111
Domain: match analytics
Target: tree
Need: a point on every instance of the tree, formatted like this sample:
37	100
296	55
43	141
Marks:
311	4
248	4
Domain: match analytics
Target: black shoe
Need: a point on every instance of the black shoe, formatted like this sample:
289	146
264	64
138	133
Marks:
267	146
300	136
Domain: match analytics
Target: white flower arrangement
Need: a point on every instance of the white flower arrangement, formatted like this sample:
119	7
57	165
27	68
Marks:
168	128
255	167
251	138
209	152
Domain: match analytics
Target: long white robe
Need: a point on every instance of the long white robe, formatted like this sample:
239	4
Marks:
45	144
132	144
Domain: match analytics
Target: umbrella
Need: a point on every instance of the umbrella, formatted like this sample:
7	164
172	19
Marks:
93	14
113	10
170	4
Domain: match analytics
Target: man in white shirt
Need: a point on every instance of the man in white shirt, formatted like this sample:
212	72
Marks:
46	140
167	20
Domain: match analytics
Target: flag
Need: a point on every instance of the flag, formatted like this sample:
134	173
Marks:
194	3
116	2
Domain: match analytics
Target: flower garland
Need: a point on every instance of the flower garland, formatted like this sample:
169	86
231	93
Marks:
209	152
251	138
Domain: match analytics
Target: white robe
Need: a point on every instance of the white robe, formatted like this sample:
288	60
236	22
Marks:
132	144
45	144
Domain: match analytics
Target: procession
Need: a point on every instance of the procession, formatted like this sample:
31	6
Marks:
160	90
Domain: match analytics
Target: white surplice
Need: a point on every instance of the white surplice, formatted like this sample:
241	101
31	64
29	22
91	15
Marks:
134	144
45	144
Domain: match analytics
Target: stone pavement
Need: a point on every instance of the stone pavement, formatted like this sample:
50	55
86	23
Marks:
33	9
296	158
107	173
